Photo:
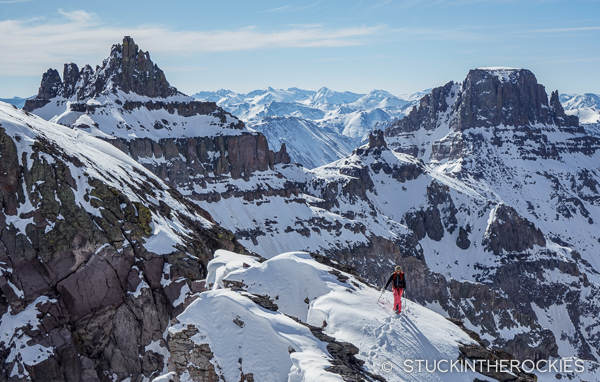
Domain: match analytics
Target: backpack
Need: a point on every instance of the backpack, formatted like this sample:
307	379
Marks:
402	284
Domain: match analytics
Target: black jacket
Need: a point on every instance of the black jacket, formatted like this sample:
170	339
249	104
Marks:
396	280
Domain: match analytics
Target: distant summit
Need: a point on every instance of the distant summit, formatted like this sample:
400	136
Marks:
127	68
129	97
487	97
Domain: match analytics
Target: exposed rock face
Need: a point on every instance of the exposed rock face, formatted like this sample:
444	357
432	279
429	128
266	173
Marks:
510	232
487	98
376	139
127	68
140	75
51	85
80	268
509	97
180	161
492	366
187	356
427	115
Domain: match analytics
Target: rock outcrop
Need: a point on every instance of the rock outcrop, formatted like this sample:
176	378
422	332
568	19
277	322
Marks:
487	98
92	266
509	97
510	232
179	161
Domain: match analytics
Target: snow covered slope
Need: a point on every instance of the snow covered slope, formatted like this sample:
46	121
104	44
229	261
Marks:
306	142
90	242
17	101
293	318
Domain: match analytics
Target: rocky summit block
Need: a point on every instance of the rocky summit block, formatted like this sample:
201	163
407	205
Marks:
487	97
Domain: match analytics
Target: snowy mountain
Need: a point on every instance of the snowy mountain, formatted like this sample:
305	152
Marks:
129	97
475	196
380	99
299	136
586	107
17	101
486	193
342	117
577	101
96	255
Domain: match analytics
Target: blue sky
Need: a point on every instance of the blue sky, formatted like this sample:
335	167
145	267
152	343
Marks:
400	46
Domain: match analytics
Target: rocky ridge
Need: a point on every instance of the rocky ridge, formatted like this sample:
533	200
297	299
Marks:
95	254
127	68
127	92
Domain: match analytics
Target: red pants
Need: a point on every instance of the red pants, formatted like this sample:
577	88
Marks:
398	299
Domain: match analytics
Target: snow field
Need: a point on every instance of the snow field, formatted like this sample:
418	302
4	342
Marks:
309	291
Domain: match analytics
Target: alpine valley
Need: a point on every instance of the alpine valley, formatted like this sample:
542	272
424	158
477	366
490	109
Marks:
149	235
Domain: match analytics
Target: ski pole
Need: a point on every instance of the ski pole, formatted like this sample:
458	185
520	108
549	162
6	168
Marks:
383	291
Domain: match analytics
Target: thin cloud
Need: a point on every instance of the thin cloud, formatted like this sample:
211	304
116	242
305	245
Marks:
278	9
29	44
289	8
13	1
441	34
78	16
403	4
561	30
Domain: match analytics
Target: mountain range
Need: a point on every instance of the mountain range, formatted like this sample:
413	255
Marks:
118	190
321	126
317	127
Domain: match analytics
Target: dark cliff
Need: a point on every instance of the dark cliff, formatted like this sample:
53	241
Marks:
487	98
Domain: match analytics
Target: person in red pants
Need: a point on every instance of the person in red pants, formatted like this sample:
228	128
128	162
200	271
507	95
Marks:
398	285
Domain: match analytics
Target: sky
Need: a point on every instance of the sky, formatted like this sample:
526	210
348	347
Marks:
401	46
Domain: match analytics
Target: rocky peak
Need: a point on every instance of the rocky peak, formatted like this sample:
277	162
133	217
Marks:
127	68
510	97
561	118
376	139
430	113
70	78
51	84
139	74
487	97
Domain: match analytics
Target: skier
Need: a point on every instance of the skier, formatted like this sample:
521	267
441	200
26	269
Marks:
398	285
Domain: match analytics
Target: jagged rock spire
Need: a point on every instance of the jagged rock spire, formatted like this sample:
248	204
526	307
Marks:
376	139
127	68
139	74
